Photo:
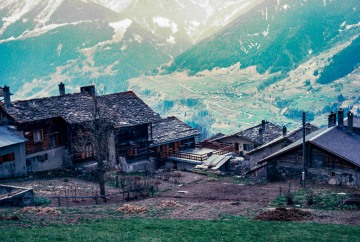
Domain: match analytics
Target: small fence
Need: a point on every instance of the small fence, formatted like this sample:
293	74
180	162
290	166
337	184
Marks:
125	188
124	195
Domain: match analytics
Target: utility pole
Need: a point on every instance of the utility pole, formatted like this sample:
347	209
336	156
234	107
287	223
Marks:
303	150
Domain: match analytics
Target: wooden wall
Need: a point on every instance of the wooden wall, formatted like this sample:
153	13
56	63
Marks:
49	128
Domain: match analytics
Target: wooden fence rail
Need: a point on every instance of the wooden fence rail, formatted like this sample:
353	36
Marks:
97	197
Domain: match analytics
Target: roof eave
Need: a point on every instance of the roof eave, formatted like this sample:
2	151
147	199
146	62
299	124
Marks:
174	140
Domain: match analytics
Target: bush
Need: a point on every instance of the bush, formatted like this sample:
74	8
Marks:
309	198
40	201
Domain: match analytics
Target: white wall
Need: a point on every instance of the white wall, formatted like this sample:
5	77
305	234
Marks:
54	161
18	166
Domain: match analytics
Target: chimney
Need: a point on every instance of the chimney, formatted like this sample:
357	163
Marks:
61	89
263	122
350	120
261	135
7	95
332	119
284	129
88	89
308	129
341	117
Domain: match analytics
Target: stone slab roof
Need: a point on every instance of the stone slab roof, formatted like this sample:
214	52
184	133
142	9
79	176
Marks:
171	129
8	137
214	137
121	109
272	131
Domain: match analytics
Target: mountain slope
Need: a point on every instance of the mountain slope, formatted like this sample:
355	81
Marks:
274	36
195	19
338	68
76	42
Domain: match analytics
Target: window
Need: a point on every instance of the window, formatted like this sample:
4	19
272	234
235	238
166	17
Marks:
38	158
52	141
55	140
38	135
89	150
7	157
248	147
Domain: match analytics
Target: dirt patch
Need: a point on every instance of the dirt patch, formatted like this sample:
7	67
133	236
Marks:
284	214
204	199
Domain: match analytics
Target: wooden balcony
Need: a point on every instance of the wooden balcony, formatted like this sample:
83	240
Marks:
198	156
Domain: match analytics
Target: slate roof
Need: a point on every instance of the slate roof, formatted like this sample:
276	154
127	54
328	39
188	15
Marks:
8	137
171	129
340	143
122	109
335	140
272	131
292	137
294	145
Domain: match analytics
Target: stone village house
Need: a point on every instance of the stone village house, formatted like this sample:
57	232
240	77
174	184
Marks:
251	138
48	131
332	155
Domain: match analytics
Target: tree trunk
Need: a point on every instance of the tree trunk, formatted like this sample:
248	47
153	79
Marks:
101	179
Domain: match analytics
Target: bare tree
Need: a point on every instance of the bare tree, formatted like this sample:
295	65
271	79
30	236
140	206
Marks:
92	140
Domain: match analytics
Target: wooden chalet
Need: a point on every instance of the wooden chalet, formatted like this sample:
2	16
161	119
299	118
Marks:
277	144
332	156
58	128
171	136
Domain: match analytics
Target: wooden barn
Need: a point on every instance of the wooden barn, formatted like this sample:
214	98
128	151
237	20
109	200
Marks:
332	156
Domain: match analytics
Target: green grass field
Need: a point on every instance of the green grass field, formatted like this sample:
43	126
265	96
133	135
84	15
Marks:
231	229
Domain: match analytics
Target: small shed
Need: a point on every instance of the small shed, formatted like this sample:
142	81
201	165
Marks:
12	153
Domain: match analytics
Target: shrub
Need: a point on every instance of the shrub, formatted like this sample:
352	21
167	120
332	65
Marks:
40	201
309	198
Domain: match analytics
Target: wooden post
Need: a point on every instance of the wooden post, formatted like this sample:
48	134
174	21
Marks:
96	198
303	150
117	180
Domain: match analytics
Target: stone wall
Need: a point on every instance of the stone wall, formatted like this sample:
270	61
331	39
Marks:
16	196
